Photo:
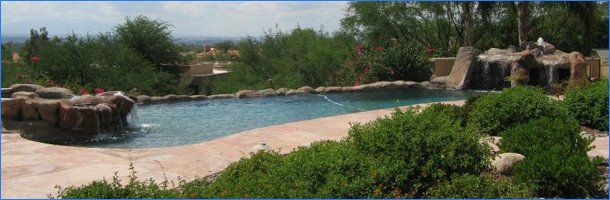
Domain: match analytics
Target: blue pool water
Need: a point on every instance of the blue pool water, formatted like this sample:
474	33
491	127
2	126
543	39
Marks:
171	124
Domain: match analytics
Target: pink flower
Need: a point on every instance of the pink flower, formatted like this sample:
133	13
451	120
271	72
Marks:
430	50
35	59
99	90
359	48
26	81
51	83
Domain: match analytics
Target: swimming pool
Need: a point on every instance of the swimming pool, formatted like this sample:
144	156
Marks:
180	123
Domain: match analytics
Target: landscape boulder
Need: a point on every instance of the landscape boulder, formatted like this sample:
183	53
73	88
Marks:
26	95
221	96
144	99
79	118
306	89
55	93
199	97
266	93
25	88
549	48
520	68
28	111
492	143
11	108
578	67
504	162
245	94
281	91
48	110
465	62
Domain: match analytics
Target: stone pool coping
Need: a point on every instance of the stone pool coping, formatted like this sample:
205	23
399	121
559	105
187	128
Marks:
32	169
146	100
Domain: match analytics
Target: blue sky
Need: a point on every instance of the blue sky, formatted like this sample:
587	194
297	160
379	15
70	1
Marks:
188	18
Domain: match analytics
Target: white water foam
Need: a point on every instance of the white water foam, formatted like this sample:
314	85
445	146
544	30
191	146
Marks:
327	99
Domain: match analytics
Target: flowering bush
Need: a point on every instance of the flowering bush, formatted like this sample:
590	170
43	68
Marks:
99	90
35	59
397	62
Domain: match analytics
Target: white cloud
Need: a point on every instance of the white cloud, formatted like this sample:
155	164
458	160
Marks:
187	18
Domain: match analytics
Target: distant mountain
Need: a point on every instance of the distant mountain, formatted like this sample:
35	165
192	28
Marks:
179	40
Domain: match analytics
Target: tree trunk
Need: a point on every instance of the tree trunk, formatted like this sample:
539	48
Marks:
466	8
523	15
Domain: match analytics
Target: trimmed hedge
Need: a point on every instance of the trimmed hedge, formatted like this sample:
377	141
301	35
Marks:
590	105
493	113
474	186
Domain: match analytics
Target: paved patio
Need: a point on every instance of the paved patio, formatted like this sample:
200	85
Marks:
32	169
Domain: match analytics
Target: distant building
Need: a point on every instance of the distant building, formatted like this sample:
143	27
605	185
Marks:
16	57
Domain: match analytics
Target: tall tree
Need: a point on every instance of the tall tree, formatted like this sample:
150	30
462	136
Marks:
523	15
467	16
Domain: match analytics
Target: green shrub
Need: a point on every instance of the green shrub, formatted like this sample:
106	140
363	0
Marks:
411	153
292	59
474	186
560	173
324	169
542	134
556	160
590	105
496	112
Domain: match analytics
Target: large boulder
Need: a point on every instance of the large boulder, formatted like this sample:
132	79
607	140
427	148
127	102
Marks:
48	110
28	110
79	118
55	93
123	105
7	92
25	88
520	68
504	162
465	62
11	108
549	48
578	67
109	118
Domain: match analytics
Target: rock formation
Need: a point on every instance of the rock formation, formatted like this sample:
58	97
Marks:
463	66
499	68
83	116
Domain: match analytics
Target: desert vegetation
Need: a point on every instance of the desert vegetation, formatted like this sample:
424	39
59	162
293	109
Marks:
377	41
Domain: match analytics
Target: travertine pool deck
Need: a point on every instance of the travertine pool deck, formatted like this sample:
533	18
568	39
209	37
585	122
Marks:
32	169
